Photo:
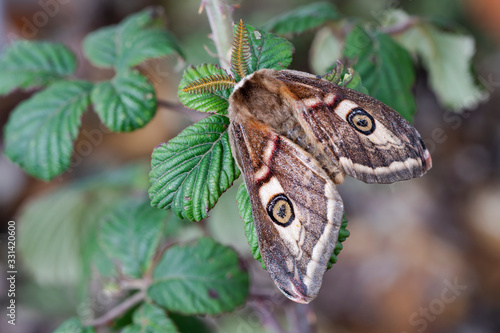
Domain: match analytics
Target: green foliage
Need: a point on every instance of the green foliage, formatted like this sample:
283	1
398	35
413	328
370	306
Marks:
354	82
268	50
130	234
203	278
447	57
29	65
245	210
191	171
57	236
125	103
189	324
73	325
303	18
40	133
100	47
325	50
346	78
138	38
105	222
216	101
386	69
152	319
343	234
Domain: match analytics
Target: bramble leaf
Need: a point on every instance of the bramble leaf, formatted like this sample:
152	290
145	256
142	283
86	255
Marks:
268	50
57	233
447	57
353	80
326	49
73	325
27	64
192	170
343	234
125	103
245	209
40	133
385	67
131	234
139	37
100	46
303	18
203	278
152	319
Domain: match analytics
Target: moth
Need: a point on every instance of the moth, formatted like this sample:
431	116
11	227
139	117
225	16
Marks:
295	136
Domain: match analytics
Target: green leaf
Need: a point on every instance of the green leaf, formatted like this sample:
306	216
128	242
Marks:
192	170
343	234
73	325
131	234
142	36
354	82
245	209
385	67
447	57
57	231
303	18
204	278
214	102
40	133
325	50
268	50
152	319
125	103
29	65
138	38
175	226
100	46
189	324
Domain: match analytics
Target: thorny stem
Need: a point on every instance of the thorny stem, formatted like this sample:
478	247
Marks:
221	23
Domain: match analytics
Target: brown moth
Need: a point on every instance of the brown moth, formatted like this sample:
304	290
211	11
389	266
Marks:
295	136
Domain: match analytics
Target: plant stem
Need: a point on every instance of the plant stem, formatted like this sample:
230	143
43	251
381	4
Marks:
301	318
221	23
267	317
401	27
119	310
178	107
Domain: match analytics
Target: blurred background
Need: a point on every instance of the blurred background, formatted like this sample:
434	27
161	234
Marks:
423	255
